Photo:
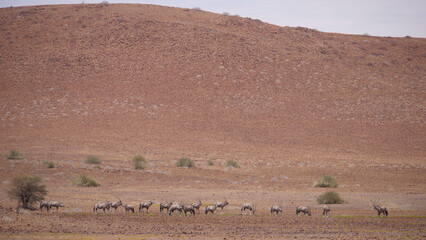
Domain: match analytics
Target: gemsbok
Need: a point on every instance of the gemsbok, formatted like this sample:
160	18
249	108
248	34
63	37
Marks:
115	205
326	211
176	207
276	209
55	204
211	209
221	205
190	209
303	209
165	205
44	204
380	209
102	206
129	208
248	206
146	205
197	205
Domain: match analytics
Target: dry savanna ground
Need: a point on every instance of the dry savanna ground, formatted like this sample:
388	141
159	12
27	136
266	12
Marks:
289	105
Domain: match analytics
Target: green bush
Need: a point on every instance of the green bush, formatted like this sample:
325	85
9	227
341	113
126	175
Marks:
27	190
232	163
15	154
49	164
330	198
210	162
92	160
139	162
185	162
326	181
85	181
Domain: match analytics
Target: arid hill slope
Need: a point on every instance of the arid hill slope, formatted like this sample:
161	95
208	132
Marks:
116	80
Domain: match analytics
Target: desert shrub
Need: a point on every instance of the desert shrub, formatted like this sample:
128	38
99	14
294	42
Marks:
15	154
326	181
197	9
49	164
226	13
185	162
139	162
232	163
85	181
27	190
210	162
92	160
330	198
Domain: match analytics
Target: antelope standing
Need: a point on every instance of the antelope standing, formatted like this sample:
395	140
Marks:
380	209
115	205
55	204
221	205
197	205
248	206
276	209
146	205
210	209
326	211
166	205
190	209
176	206
102	206
303	209
44	204
129	208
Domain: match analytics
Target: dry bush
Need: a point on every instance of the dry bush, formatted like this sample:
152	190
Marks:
185	162
139	162
330	198
92	160
49	164
85	181
232	163
326	181
15	154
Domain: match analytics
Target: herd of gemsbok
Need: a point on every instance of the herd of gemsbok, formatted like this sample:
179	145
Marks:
172	207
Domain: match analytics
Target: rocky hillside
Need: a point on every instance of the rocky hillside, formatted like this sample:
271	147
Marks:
116	80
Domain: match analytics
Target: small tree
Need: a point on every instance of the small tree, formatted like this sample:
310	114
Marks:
27	190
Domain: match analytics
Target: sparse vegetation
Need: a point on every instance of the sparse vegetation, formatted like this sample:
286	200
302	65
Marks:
85	181
15	154
330	198
139	162
49	164
210	162
232	163
326	181
226	13
185	162
92	160
197	8
27	190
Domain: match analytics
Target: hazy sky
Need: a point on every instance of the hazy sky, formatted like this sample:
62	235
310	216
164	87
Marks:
397	18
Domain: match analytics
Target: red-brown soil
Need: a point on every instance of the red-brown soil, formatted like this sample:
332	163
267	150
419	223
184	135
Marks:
288	104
